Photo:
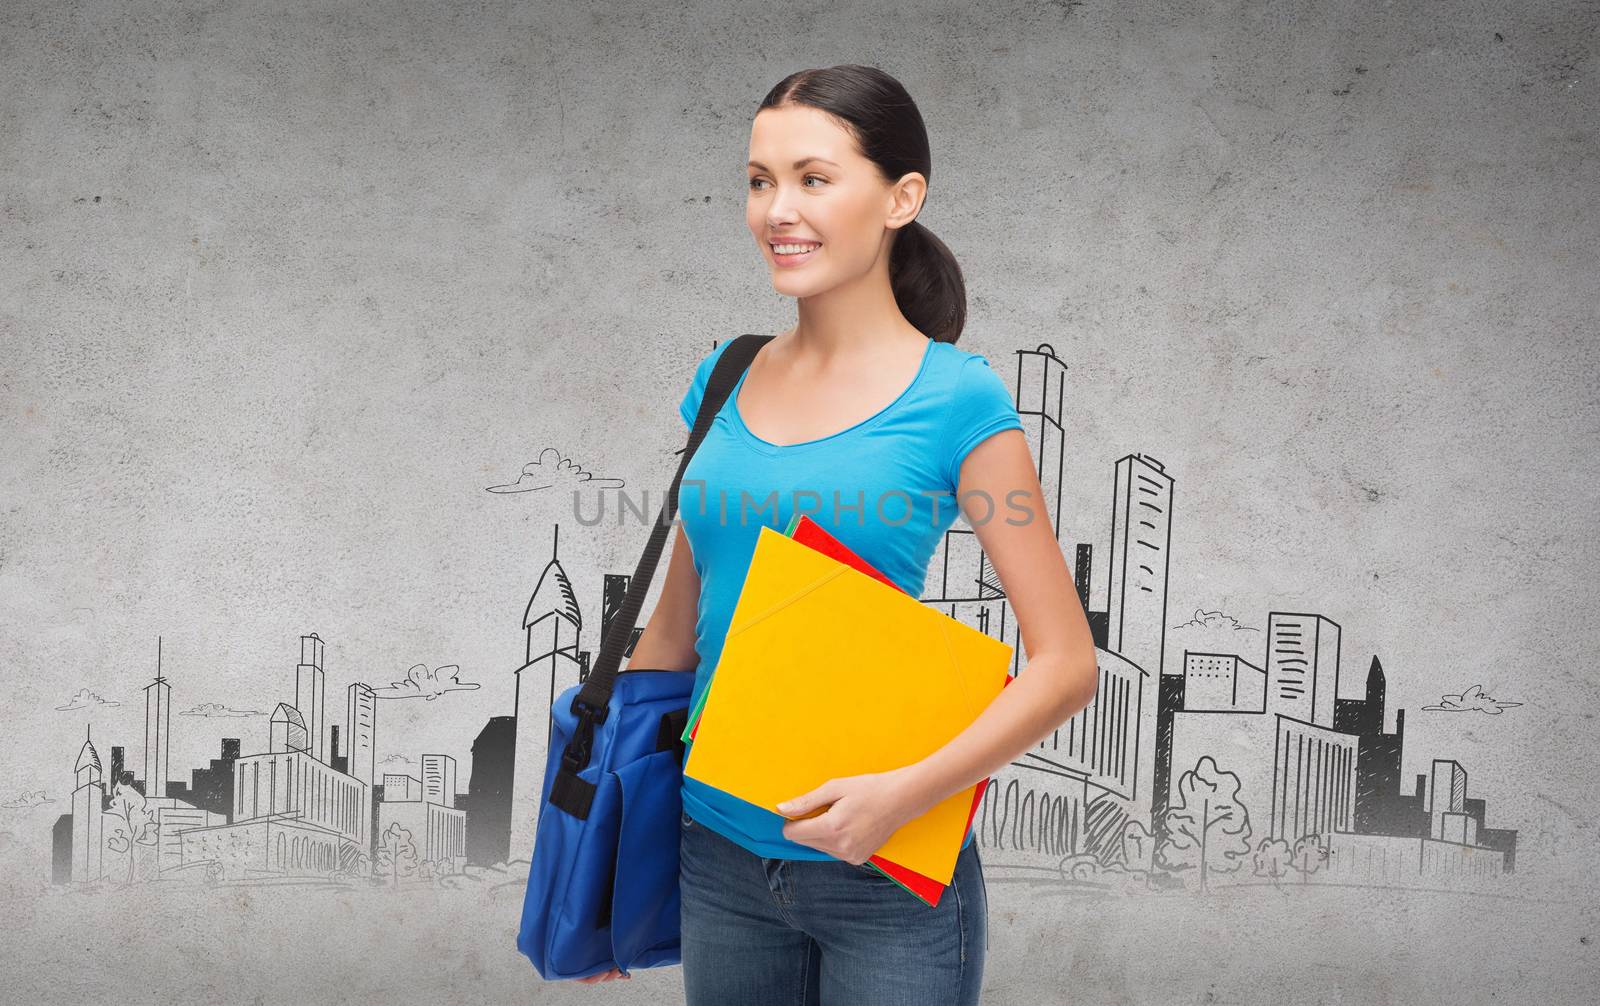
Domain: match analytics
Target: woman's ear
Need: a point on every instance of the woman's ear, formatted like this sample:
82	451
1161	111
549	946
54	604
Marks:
905	198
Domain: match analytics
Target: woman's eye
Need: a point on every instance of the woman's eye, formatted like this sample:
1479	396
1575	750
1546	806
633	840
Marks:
755	183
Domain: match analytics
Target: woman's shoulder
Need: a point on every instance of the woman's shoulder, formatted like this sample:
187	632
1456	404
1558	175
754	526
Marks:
954	363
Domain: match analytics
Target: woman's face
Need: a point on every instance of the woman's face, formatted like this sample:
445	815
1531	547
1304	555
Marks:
809	186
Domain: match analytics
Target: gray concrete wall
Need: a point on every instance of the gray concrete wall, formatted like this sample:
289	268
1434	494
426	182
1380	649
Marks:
312	315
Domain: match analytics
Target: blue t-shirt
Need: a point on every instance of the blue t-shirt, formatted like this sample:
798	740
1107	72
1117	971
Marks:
884	487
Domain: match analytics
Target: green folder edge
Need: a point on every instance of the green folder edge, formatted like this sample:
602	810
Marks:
694	717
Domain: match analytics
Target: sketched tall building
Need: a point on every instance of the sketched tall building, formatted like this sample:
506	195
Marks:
309	694
360	733
1040	400
88	826
1380	807
489	792
1302	666
1036	810
552	624
439	779
962	583
157	731
1141	536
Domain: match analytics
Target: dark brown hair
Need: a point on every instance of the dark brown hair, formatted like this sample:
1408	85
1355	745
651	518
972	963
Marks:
876	110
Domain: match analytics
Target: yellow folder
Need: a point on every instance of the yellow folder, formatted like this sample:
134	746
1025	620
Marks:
828	672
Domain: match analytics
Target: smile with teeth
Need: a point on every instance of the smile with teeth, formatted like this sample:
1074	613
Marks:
795	250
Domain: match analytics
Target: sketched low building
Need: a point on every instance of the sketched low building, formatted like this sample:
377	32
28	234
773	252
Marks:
279	844
174	818
1036	809
1298	779
83	847
1455	847
292	813
423	808
1295	778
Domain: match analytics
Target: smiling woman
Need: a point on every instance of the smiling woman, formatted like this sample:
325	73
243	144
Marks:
864	400
830	158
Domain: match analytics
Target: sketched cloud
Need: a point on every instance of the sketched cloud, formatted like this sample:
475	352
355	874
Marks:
27	801
554	472
83	698
218	709
420	682
1472	701
1203	619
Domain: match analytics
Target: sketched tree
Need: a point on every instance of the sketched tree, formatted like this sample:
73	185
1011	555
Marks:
397	854
1101	829
1309	855
1138	846
353	861
1208	829
135	824
1273	859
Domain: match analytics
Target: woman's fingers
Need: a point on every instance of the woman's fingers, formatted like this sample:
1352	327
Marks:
604	977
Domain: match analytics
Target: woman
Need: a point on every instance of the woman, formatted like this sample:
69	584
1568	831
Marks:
866	411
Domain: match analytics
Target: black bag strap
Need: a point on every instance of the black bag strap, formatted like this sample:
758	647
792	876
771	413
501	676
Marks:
593	702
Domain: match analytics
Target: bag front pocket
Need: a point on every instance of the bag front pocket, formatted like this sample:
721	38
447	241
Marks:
644	897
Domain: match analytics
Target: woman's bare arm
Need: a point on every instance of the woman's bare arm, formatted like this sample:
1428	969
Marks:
667	642
1061	672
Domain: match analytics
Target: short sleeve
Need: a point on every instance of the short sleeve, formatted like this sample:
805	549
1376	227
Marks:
980	407
690	406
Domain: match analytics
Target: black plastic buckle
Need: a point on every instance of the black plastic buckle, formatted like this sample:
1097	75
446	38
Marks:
592	714
576	755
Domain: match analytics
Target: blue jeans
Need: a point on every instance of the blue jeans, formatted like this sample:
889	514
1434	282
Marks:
802	932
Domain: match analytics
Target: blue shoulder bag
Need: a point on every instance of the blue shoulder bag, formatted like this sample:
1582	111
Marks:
603	881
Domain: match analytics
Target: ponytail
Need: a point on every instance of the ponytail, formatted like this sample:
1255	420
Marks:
927	283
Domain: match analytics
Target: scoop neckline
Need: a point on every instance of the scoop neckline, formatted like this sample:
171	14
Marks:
769	447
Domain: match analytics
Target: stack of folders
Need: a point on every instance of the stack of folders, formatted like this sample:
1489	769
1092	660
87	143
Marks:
829	669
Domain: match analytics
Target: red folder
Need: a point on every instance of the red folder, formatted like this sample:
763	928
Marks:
808	532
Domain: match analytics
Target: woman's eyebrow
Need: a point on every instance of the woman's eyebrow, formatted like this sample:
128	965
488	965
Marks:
802	162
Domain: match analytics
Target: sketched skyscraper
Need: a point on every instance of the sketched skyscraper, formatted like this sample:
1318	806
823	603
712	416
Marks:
1041	397
962	582
551	626
439	779
361	742
361	731
1302	666
88	825
308	693
157	722
1141	536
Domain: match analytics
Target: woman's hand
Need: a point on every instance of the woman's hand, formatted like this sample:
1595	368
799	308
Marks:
865	811
604	976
